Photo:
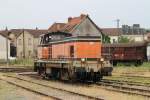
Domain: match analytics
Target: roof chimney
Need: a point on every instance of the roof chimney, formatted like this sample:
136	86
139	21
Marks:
82	16
69	19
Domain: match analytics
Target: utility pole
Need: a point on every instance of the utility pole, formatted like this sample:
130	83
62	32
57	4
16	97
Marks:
24	49
7	33
118	25
23	45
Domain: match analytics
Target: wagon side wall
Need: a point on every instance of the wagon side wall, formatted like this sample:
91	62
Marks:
132	53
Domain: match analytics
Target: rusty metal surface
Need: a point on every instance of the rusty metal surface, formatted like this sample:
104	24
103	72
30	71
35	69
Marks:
125	44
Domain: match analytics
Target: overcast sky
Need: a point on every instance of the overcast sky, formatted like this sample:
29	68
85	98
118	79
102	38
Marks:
43	13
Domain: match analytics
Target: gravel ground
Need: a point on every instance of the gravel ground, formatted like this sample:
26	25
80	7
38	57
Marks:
49	91
10	92
91	90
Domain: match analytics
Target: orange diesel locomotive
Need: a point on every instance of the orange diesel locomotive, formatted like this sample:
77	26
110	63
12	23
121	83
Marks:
72	58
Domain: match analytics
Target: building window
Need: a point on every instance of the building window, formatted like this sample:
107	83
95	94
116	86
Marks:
29	41
21	55
20	42
29	53
114	41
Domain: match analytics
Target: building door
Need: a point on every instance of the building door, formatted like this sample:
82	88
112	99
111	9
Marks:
72	51
12	50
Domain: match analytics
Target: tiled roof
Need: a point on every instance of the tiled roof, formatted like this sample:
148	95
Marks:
4	33
69	26
16	31
56	27
35	32
112	31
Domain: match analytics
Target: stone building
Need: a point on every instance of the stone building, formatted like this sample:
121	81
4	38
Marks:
27	43
4	43
16	47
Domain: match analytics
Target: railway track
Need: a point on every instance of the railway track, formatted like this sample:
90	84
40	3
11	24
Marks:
146	77
125	87
130	80
126	82
53	92
31	90
15	69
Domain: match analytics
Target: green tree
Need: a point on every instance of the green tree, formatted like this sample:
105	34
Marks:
123	39
105	38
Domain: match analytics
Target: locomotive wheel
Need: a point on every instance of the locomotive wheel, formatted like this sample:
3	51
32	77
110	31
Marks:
114	63
98	76
138	63
40	70
92	75
72	75
64	74
36	67
95	76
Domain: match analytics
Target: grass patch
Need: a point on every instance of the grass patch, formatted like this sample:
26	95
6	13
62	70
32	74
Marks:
27	62
145	64
132	73
145	67
20	63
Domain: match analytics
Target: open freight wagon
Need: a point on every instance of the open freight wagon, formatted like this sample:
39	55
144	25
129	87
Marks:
125	52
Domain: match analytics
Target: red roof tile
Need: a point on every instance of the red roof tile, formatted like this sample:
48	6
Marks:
112	31
76	20
56	27
69	26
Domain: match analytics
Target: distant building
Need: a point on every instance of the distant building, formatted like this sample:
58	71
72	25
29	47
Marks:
13	33
16	49
27	43
134	33
3	47
113	33
133	30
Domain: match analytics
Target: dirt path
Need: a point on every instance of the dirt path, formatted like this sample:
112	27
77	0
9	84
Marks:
91	90
10	92
48	91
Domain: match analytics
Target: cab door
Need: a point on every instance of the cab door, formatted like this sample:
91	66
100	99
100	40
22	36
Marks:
71	50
